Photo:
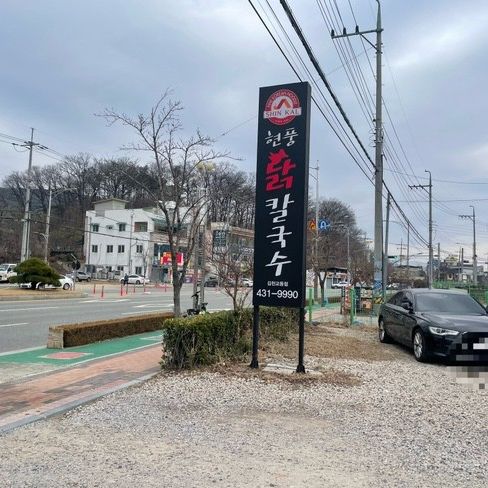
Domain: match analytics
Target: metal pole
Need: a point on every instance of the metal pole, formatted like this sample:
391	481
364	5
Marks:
204	253
301	341
25	251
378	227
462	264
255	337
475	258
385	259
315	284
130	242
48	220
431	251
348	259
408	253
438	261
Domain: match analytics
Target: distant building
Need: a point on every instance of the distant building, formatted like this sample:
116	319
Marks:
120	240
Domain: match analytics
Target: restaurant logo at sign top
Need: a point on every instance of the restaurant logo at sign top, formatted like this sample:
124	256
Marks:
281	196
282	107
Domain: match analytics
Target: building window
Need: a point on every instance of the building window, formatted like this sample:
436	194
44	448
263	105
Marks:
109	269
122	227
110	248
139	249
94	248
120	268
95	227
140	226
138	270
121	249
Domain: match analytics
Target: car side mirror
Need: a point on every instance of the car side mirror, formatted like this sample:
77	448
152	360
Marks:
407	305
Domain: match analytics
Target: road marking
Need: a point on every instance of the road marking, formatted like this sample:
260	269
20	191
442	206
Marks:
26	309
153	305
11	325
141	311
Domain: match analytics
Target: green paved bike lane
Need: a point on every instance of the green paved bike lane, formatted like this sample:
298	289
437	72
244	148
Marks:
73	355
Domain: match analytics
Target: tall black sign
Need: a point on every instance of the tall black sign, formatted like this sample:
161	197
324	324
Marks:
281	195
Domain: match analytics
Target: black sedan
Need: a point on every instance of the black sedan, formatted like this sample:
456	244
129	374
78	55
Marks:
447	324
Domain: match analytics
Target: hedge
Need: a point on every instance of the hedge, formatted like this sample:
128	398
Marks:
70	335
205	339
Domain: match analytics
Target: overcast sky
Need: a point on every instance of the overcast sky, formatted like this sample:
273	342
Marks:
64	61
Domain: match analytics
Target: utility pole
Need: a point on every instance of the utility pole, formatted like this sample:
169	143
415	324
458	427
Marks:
26	227
316	243
431	253
438	261
48	221
379	285
385	257
475	258
408	252
130	241
462	264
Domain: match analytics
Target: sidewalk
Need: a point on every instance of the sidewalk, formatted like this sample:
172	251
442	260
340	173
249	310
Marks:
33	398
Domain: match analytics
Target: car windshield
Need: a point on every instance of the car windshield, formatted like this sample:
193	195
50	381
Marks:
448	303
3	267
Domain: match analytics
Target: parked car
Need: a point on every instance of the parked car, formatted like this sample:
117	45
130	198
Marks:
7	271
135	280
340	284
436	323
247	282
211	281
65	282
80	276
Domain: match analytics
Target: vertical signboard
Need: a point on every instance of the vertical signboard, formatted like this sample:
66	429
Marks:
281	195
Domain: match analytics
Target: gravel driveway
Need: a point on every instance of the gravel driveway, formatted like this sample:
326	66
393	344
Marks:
404	424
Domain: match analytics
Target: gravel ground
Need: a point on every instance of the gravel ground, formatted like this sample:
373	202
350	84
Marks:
405	425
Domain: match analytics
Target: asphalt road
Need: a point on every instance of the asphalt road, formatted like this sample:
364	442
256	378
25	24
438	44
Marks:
25	324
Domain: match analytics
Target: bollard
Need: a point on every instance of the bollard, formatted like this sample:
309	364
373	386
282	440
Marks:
134	289
101	295
165	287
94	288
144	287
121	289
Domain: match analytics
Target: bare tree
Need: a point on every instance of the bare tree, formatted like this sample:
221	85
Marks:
181	167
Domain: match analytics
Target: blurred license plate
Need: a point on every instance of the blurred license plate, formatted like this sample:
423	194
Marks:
483	345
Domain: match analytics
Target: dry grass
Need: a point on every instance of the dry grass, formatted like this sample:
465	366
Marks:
242	370
334	342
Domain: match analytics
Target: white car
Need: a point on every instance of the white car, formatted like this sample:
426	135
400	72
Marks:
135	280
66	283
247	282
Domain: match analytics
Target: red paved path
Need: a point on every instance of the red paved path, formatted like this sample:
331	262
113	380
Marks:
28	400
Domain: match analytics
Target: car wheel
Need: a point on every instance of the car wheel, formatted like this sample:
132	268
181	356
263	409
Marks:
419	346
88	279
382	334
138	282
40	286
66	286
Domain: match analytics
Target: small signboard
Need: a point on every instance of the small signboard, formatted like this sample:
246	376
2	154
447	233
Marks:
281	195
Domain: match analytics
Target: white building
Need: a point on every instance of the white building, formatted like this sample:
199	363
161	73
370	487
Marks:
120	240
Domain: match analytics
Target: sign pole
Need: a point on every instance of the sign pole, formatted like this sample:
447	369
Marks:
255	338
301	341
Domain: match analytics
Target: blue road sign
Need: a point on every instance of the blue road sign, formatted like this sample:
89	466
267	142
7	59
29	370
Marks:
323	224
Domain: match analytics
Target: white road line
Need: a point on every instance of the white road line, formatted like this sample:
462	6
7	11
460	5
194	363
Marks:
141	311
26	309
11	325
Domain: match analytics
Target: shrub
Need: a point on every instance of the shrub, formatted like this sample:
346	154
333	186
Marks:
209	338
34	271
